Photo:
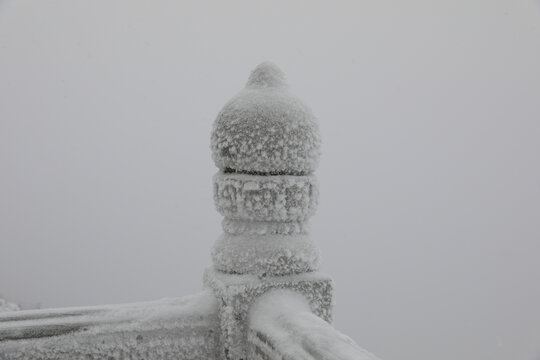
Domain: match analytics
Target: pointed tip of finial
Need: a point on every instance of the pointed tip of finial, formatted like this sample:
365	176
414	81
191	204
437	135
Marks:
267	74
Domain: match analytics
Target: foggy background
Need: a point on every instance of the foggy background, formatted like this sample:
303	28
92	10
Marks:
429	217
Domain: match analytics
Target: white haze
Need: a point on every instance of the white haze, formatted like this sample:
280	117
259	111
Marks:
429	219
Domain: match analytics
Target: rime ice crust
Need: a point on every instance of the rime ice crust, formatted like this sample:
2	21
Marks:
247	227
265	198
266	143
237	293
266	129
265	254
182	328
267	75
265	224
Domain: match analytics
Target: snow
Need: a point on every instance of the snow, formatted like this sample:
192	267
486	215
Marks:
246	227
185	328
265	226
265	254
267	74
282	325
266	129
266	143
6	306
265	198
236	293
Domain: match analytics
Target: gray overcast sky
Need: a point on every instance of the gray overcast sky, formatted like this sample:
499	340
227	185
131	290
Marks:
429	219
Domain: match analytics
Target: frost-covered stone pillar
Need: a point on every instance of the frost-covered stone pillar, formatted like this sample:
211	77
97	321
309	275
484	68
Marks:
266	143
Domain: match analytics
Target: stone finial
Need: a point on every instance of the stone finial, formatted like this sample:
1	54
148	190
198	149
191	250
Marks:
267	74
264	129
266	143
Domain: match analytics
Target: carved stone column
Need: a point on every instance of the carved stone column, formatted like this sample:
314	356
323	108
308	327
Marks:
266	143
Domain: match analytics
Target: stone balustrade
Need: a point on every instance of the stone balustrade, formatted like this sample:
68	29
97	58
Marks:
264	297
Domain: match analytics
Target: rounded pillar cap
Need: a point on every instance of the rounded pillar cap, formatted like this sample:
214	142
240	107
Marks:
265	129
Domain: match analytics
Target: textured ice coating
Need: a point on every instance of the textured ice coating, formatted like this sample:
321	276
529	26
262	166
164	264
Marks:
236	293
266	143
185	328
266	129
282	326
267	74
265	223
252	227
265	254
265	198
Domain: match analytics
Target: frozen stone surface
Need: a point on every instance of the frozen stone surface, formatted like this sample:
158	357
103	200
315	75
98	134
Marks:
185	328
266	129
266	144
267	75
253	227
265	254
265	198
282	326
236	293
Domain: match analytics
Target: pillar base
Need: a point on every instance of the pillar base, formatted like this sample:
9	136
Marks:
236	293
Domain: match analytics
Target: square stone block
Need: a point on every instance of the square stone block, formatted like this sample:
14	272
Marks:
235	293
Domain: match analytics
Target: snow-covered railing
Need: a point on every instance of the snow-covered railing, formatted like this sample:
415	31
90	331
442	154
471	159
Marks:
185	328
265	297
283	327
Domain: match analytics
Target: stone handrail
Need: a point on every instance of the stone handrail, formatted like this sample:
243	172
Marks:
184	328
282	327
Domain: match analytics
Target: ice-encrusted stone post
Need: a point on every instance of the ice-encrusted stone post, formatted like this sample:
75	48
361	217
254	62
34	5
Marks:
266	144
265	299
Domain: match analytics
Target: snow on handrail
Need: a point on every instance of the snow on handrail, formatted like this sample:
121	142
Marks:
185	328
282	327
